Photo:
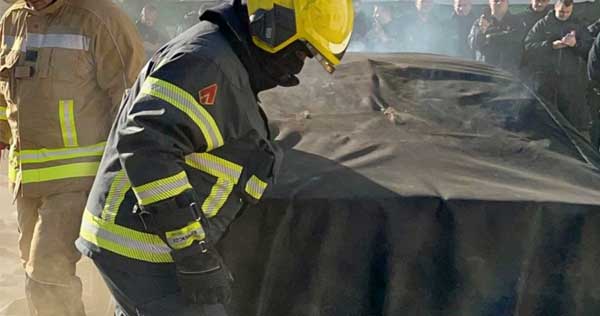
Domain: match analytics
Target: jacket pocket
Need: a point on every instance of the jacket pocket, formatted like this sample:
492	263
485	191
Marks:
71	65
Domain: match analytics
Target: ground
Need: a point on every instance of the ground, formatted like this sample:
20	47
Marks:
12	293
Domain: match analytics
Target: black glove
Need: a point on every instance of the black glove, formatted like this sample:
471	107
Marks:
202	275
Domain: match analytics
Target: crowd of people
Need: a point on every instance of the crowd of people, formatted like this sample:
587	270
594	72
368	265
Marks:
546	45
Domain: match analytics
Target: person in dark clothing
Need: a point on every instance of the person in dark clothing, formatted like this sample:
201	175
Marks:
563	43
497	36
530	65
458	29
536	10
146	25
593	72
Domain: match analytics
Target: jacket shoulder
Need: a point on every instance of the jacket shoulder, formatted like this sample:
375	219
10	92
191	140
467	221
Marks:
105	11
206	42
17	5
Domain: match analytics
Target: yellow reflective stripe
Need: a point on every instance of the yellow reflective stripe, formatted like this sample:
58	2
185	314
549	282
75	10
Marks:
162	189
184	237
256	187
13	165
67	123
215	166
74	170
116	195
218	196
124	241
12	173
227	174
186	103
45	155
3	115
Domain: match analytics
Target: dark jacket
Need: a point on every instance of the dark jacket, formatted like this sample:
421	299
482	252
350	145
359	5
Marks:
530	17
530	64
457	35
189	126
500	45
593	62
567	61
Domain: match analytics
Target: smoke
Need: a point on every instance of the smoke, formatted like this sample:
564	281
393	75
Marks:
400	28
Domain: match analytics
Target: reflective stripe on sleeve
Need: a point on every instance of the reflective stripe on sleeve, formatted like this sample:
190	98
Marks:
227	174
184	237
215	166
219	194
124	241
67	123
186	103
15	43
74	170
46	155
115	197
3	116
162	189
256	187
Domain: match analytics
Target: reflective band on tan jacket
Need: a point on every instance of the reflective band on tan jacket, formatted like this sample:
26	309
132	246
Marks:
63	71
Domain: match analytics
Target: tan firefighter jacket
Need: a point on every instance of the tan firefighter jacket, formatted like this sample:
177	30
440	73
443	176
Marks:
63	71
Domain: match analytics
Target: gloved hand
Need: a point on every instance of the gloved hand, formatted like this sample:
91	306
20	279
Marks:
202	275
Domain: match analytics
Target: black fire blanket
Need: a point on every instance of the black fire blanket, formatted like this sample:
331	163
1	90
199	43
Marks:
420	185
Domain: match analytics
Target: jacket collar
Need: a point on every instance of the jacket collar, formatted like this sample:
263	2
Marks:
55	6
233	22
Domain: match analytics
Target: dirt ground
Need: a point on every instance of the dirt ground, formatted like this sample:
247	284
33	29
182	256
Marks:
12	296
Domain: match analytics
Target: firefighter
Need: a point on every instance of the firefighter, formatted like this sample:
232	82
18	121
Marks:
191	147
64	66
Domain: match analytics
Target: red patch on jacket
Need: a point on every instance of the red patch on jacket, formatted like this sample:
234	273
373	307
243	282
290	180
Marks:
208	95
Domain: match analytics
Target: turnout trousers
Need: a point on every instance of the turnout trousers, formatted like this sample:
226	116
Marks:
139	294
48	227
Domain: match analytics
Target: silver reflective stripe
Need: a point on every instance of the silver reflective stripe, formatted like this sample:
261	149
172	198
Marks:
45	155
215	166
162	191
123	241
9	41
68	41
115	197
182	100
256	187
217	198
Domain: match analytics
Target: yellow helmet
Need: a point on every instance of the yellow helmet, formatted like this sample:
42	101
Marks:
324	25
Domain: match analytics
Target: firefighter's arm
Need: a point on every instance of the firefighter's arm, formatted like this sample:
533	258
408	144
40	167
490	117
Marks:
5	133
118	54
165	123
